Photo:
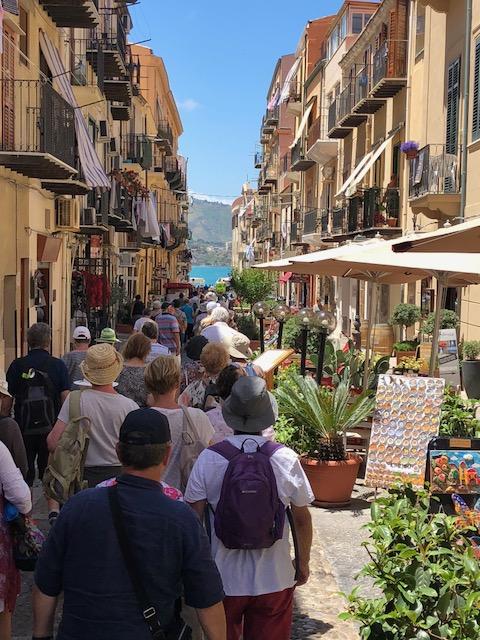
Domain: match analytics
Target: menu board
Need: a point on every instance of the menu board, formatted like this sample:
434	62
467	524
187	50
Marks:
406	418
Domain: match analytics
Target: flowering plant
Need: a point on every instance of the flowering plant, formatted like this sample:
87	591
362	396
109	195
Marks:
409	146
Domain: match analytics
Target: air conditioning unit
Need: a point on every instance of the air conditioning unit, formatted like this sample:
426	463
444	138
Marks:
67	214
127	260
103	131
88	217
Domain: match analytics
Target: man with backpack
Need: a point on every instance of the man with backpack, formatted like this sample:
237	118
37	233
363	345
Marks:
39	384
244	487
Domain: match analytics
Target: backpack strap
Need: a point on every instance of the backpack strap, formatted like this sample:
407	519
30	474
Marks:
226	449
269	448
190	431
74	408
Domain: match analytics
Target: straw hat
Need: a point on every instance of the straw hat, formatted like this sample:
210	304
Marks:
4	385
239	346
102	364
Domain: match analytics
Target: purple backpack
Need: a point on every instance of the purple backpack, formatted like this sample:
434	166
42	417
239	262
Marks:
249	514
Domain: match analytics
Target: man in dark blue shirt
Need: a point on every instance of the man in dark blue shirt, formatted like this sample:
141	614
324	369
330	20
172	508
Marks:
57	386
82	556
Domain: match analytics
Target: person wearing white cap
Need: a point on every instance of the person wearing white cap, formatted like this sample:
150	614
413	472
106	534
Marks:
73	359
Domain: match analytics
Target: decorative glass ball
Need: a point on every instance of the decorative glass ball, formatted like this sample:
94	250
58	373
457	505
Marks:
260	310
306	316
281	312
325	320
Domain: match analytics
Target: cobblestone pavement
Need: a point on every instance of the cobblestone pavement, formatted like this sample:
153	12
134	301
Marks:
337	557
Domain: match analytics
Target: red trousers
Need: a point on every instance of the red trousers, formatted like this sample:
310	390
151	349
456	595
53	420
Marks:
259	617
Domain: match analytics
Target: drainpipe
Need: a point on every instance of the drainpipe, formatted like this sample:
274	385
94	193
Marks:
466	107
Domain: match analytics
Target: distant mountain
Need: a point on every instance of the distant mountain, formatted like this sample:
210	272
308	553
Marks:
210	221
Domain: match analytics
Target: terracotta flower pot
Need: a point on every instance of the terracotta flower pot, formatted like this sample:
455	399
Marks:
332	482
412	154
392	222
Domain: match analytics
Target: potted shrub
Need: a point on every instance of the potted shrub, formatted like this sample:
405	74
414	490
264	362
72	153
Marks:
410	365
471	368
320	418
448	320
405	349
410	149
424	570
458	417
405	315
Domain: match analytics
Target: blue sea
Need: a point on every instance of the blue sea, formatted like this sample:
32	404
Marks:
210	273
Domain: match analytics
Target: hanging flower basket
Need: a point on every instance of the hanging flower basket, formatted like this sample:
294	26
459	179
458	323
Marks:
410	149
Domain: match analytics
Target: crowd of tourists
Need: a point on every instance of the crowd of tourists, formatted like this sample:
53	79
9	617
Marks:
171	506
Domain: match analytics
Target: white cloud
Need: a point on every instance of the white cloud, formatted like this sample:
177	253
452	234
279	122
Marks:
189	104
201	196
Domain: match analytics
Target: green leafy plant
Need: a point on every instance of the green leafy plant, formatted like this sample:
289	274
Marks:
292	336
471	349
248	326
406	315
458	417
425	569
411	364
252	285
321	416
448	320
405	345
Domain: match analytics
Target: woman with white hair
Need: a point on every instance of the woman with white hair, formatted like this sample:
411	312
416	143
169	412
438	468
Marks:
219	329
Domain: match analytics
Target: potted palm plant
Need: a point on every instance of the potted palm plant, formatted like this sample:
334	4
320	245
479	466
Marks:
319	419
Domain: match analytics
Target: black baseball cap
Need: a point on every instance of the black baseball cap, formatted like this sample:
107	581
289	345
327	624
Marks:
145	426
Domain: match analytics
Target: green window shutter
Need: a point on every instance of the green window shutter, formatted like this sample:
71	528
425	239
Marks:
453	91
476	94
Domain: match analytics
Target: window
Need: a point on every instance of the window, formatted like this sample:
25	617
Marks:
476	94
357	23
343	27
420	30
23	42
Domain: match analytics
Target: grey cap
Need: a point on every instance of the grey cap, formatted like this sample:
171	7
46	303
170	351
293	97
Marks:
250	407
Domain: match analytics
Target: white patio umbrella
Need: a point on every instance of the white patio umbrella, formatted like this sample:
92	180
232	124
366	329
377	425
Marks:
375	262
461	238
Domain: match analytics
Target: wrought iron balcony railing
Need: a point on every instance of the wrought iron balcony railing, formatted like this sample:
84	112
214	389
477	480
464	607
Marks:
390	62
137	148
435	170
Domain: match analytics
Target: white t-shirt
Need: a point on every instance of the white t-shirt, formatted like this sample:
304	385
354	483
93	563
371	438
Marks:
175	417
140	322
259	571
106	411
157	350
219	332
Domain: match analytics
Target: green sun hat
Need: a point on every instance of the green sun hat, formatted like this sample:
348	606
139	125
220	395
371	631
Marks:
108	335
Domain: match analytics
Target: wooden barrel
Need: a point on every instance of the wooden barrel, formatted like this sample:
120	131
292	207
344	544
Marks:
382	338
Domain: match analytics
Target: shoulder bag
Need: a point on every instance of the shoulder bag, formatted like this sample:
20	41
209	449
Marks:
192	447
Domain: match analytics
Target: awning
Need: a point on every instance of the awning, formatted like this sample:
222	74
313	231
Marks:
354	173
286	85
302	126
92	168
374	157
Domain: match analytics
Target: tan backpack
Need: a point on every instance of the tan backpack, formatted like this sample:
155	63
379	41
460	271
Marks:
63	477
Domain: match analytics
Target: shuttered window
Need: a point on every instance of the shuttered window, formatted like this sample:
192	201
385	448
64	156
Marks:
476	94
453	90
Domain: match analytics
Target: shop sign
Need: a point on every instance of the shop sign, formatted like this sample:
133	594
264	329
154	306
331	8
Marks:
448	362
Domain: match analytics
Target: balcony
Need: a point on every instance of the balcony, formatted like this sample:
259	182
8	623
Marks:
174	173
264	232
300	162
94	217
137	149
286	168
258	160
118	90
346	115
164	136
319	147
72	13
316	226
294	100
389	74
121	112
38	134
363	103
107	46
434	185
271	117
334	129
120	209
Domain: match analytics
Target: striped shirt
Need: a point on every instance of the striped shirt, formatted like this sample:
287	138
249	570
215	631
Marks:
167	328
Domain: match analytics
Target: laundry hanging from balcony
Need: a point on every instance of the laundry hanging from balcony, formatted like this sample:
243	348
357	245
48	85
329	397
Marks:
302	126
146	214
93	171
286	85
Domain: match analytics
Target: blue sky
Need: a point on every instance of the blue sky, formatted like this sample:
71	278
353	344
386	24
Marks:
220	57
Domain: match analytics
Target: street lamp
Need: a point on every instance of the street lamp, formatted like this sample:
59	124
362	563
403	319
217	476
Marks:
306	317
326	323
261	311
281	312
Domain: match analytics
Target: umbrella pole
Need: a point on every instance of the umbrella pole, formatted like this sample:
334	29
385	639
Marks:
372	305
436	328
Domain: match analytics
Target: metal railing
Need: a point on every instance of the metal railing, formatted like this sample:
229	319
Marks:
317	131
298	152
333	114
272	115
294	91
286	162
258	158
310	221
338	220
372	208
110	34
390	61
137	148
37	119
362	84
435	170
345	101
164	131
324	221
